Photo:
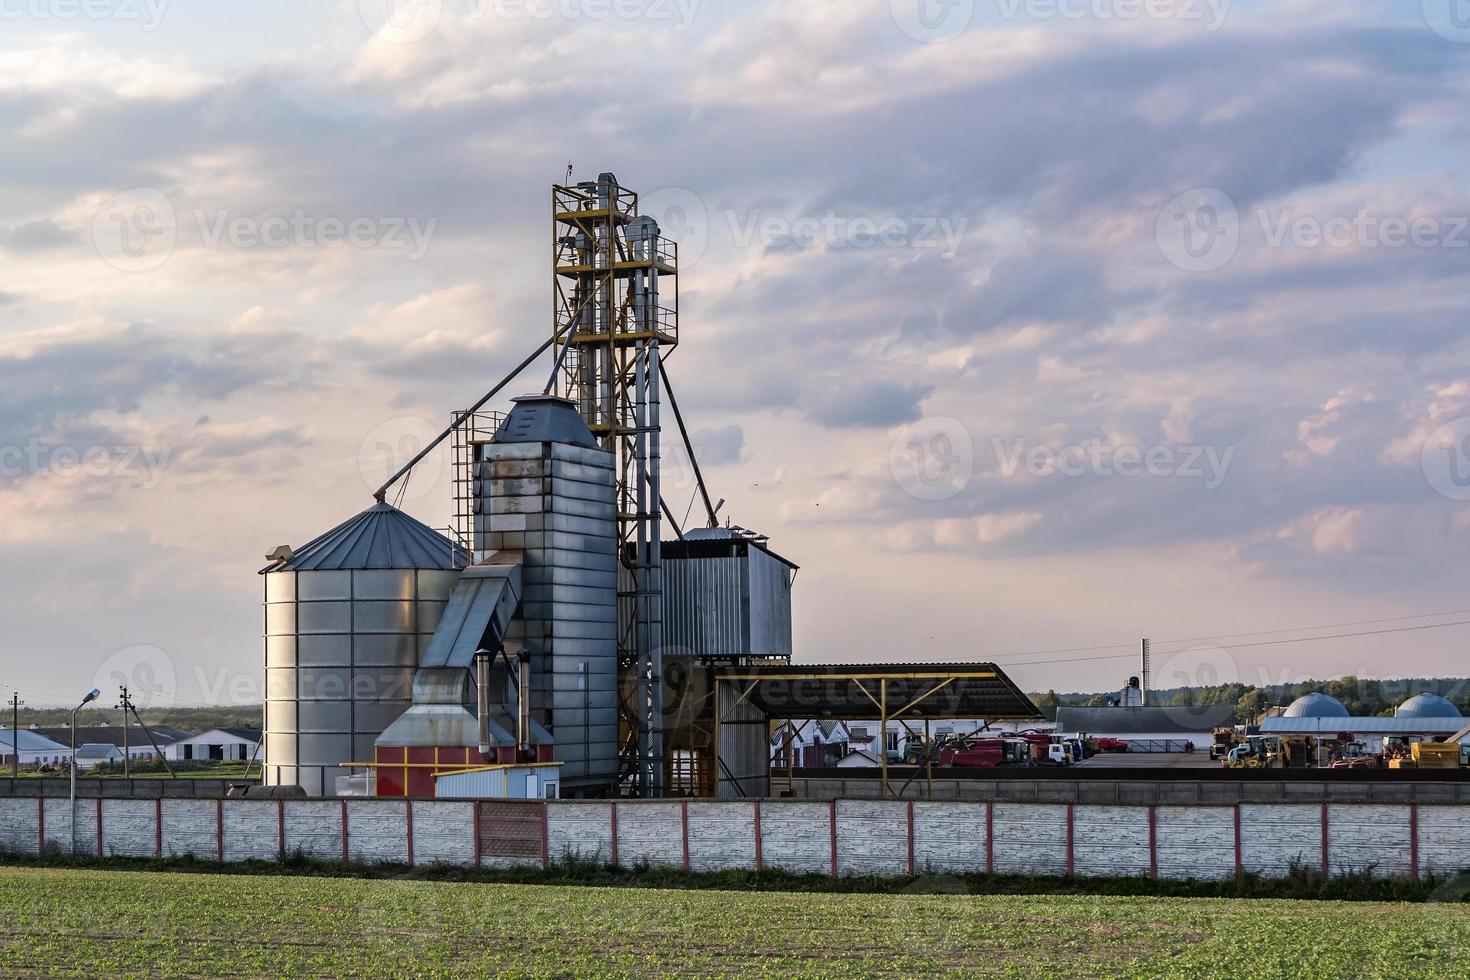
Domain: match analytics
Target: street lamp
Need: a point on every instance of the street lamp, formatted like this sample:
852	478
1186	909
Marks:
92	695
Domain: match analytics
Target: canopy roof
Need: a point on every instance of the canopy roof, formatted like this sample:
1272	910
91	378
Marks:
863	692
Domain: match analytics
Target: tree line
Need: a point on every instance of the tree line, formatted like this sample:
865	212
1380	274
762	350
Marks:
1362	696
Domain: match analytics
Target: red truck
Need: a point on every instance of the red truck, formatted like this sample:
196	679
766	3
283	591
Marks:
988	753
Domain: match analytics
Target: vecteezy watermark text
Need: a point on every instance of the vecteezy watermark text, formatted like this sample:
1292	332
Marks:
36	458
148	14
409	21
1097	458
139	229
838	231
302	230
1201	230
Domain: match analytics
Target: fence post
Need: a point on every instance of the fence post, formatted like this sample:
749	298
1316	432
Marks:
833	812
614	847
911	837
684	820
1414	840
99	825
409	815
990	837
759	858
158	828
1239	851
1153	841
346	850
1326	852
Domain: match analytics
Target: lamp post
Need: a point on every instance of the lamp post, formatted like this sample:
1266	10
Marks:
92	695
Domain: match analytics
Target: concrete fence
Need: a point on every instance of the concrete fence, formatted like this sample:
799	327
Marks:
845	837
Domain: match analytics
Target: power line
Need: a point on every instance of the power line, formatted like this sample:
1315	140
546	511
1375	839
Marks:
1268	643
1324	626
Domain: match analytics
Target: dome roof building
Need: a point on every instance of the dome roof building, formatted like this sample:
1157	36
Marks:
1316	705
1427	706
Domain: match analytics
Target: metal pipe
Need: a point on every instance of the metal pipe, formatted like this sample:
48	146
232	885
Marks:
382	492
523	701
482	700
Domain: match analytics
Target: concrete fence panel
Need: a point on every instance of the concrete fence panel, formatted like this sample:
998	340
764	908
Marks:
951	837
1031	839
581	830
1444	839
252	830
872	837
1274	836
797	836
20	826
722	836
652	834
377	831
1112	841
130	828
59	827
1195	841
314	828
191	827
1369	838
443	833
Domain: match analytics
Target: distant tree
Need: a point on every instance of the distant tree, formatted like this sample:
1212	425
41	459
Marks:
1049	703
1184	698
1250	706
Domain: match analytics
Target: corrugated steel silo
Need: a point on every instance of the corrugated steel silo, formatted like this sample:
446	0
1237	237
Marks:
346	618
545	488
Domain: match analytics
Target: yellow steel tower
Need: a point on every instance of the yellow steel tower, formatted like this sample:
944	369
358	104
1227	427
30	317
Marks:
616	313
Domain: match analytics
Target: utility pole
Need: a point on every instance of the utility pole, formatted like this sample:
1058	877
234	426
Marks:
15	733
126	707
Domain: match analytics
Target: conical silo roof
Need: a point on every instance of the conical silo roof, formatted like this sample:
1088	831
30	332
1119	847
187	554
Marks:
380	537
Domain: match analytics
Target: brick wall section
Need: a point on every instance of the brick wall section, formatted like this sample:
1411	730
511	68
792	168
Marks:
443	833
19	833
314	828
1111	841
949	837
796	836
377	831
651	833
721	835
1444	839
872	837
582	830
1369	837
129	828
1030	839
189	827
1273	835
1195	842
252	829
510	833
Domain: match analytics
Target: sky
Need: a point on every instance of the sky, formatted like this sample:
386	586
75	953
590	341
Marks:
1022	326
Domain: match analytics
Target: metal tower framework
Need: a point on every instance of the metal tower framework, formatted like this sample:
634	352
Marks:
611	327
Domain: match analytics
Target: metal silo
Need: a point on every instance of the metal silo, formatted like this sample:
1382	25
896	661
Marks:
546	489
346	619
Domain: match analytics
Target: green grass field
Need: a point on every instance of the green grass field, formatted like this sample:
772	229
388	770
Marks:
110	923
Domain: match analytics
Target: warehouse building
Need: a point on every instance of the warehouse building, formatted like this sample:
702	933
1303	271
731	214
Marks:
1149	729
35	749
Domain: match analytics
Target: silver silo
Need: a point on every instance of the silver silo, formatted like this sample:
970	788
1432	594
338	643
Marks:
346	617
545	488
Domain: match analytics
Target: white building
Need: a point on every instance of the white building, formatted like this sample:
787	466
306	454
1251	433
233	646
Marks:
35	749
94	754
218	745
